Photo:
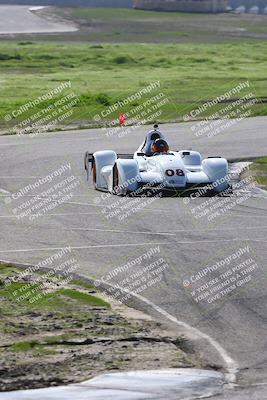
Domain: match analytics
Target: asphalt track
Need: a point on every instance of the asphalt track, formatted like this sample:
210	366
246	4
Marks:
19	19
234	327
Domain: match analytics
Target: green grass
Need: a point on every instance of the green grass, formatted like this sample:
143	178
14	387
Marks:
259	170
126	13
40	347
101	75
53	300
262	160
6	269
42	344
83	297
262	180
126	25
83	284
62	300
117	52
24	346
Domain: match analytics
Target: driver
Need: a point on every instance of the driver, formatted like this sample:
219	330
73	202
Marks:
160	146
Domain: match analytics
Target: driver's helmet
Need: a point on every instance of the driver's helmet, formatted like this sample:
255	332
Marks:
160	146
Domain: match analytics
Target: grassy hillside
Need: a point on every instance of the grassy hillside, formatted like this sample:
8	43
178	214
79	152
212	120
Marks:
72	3
197	58
104	74
127	25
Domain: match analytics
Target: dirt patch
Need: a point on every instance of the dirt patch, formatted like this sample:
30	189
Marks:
257	172
70	335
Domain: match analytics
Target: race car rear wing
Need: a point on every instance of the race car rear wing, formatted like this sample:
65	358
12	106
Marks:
119	155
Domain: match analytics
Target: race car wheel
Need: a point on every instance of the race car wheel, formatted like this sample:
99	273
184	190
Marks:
116	180
85	161
117	189
86	165
94	171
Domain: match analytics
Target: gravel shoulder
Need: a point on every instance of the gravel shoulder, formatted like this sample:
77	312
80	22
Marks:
259	172
53	333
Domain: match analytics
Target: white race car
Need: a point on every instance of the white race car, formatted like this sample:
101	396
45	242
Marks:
154	165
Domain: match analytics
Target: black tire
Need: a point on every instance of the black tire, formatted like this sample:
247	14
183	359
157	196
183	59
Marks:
116	180
94	171
85	160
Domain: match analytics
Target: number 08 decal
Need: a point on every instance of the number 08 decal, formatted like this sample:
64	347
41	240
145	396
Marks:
171	172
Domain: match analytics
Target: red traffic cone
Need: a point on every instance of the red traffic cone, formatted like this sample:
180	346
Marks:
122	118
